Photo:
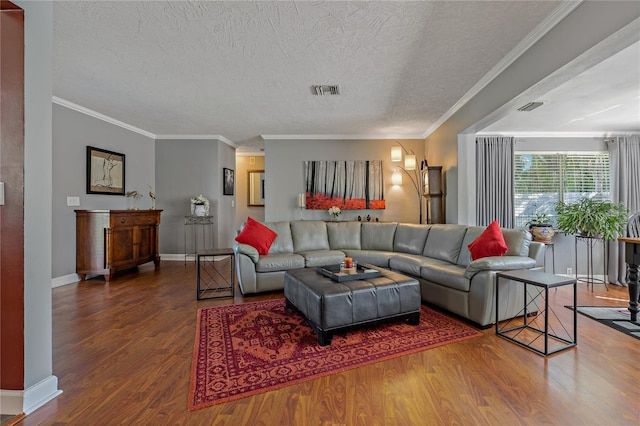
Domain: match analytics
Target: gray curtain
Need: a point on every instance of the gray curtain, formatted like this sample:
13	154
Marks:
494	180
624	154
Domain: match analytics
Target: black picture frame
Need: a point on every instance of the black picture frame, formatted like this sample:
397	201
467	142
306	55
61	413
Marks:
105	172
228	181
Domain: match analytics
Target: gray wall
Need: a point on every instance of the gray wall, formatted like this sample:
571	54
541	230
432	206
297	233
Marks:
284	177
38	368
186	168
587	26
72	132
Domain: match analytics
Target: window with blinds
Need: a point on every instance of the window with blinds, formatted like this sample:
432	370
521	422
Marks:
542	180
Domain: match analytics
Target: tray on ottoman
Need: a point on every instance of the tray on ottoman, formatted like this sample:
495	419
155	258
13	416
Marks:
348	274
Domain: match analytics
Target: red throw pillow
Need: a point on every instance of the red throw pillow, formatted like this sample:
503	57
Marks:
489	243
257	236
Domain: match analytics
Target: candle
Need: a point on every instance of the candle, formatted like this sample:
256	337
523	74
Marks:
348	262
301	201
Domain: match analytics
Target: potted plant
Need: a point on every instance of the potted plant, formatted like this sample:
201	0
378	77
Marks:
592	218
541	228
199	206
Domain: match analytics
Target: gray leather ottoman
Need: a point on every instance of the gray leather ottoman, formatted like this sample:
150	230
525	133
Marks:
330	306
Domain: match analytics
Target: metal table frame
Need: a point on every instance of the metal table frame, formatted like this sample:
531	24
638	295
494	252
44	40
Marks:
211	280
193	222
527	328
590	243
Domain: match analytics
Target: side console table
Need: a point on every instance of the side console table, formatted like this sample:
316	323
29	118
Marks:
632	257
215	273
544	333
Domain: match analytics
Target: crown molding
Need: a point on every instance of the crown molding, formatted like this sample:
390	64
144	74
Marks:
339	137
564	9
83	110
557	134
198	137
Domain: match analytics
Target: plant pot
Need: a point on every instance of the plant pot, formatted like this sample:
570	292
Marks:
200	210
542	233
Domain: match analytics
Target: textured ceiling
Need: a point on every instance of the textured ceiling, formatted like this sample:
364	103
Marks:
243	69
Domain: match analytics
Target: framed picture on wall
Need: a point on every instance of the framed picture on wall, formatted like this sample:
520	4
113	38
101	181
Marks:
105	172
228	182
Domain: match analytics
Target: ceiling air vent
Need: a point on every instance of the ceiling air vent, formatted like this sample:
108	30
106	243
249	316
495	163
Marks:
530	106
326	90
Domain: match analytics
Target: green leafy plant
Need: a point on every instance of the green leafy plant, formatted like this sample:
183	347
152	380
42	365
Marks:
540	219
592	218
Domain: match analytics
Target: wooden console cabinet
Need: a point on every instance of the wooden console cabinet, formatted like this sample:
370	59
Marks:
112	240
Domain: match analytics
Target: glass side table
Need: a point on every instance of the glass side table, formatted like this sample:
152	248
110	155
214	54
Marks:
198	228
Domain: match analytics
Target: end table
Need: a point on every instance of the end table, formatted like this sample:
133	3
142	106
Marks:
526	330
215	273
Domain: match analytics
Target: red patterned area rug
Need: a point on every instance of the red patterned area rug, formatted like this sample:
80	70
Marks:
246	349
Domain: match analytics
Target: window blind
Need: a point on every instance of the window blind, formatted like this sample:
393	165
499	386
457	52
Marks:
542	180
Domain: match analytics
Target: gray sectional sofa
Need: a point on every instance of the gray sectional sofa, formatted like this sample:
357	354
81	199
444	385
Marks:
436	255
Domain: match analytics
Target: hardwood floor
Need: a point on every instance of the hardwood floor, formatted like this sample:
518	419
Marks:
122	352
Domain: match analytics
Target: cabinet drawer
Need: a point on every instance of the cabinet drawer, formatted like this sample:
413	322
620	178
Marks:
133	219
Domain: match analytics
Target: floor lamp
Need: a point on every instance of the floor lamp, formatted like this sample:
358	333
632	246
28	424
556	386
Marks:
426	180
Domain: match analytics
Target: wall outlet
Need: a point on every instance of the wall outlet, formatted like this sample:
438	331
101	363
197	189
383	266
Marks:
569	271
73	201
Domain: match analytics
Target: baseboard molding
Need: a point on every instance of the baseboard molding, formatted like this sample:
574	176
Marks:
188	257
11	402
64	280
177	257
17	402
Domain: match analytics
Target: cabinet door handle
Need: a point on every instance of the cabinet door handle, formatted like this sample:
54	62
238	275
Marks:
149	220
123	220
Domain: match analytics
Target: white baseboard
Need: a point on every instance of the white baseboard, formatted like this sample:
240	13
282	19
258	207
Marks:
177	257
17	402
40	393
64	280
189	257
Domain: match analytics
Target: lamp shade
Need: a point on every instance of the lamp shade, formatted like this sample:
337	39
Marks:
396	154
396	178
410	162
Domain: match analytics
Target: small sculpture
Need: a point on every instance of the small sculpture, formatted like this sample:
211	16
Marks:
153	197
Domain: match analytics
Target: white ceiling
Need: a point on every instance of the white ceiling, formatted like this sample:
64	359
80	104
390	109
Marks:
604	99
243	69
